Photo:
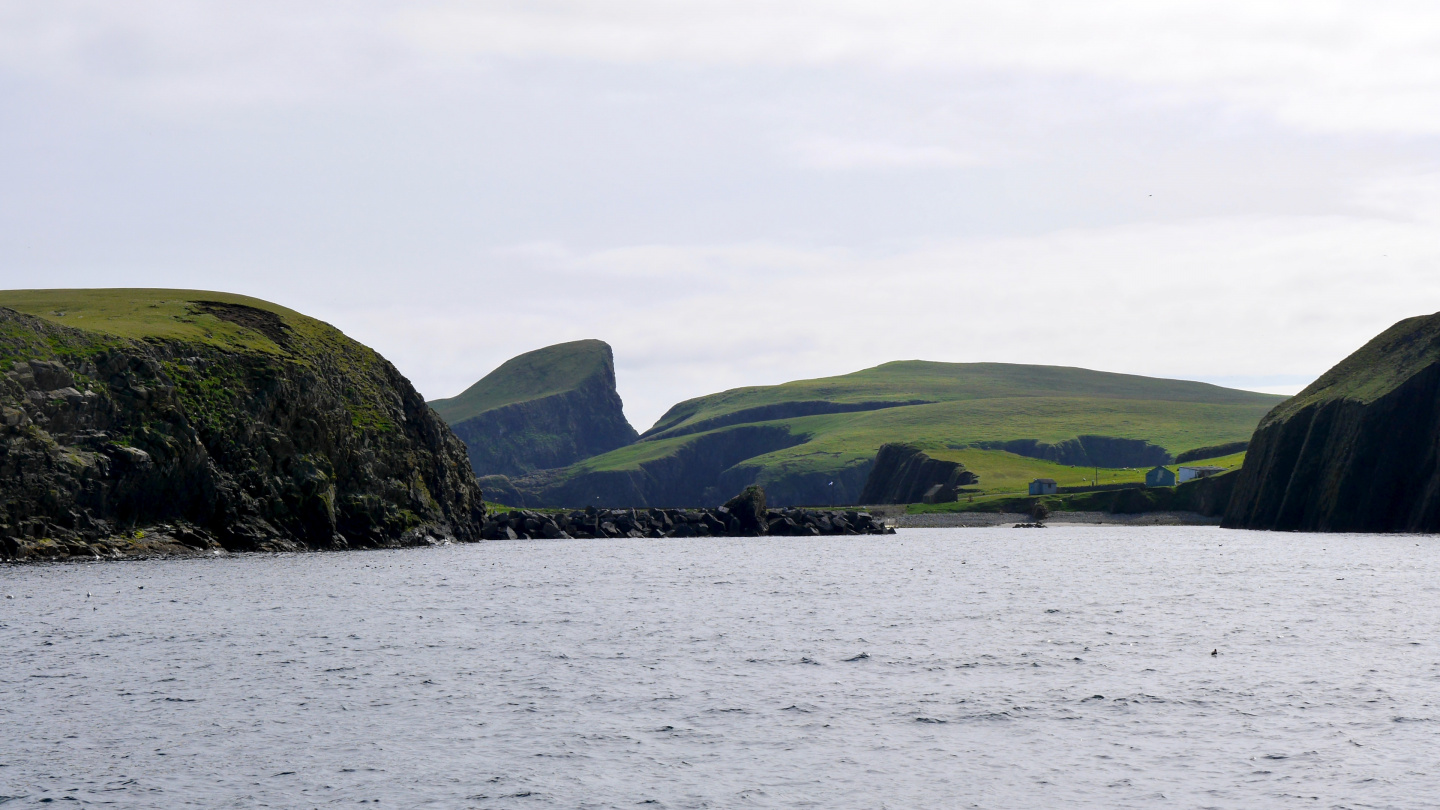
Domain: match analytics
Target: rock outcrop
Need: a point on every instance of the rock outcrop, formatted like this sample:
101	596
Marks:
592	523
1214	451
902	473
178	420
541	410
1358	450
1086	451
684	472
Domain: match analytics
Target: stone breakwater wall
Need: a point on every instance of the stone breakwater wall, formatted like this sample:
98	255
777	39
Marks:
591	523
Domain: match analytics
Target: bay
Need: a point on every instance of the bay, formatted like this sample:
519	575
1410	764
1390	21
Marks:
993	668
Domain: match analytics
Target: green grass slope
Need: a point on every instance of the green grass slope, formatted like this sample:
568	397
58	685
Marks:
911	380
225	321
1376	369
533	375
141	314
962	405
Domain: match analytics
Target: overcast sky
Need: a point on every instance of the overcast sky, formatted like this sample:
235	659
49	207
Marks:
742	191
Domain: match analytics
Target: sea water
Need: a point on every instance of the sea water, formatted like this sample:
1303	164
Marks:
938	668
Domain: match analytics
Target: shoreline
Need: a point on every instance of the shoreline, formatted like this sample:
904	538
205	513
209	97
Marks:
981	520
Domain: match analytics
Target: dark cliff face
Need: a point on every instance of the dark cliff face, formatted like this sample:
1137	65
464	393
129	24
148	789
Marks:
314	442
1087	451
904	474
689	476
549	432
541	410
1357	451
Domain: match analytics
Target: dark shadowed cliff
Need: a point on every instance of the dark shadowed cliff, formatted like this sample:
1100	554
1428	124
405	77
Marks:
546	408
160	420
904	474
1357	450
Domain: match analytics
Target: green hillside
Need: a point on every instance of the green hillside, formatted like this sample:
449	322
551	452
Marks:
909	381
796	449
1375	369
533	375
187	315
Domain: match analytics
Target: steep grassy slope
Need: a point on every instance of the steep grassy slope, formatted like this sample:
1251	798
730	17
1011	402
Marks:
1358	450
783	438
543	409
222	419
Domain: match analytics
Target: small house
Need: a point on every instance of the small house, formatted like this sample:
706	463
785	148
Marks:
1191	473
1160	477
1044	486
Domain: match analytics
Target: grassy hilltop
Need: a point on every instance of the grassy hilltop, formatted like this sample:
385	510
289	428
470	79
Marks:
533	375
1356	451
799	436
545	408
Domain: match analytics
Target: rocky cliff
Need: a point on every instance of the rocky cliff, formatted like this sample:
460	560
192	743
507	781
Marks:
1359	450
164	420
904	474
541	410
1086	451
690	473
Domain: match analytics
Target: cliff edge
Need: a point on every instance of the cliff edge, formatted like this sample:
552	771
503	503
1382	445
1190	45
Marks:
543	409
135	421
1358	450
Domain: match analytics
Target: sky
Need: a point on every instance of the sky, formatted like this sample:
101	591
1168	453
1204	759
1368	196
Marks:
743	192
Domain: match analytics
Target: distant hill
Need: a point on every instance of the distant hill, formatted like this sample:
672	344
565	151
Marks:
542	409
1358	450
813	441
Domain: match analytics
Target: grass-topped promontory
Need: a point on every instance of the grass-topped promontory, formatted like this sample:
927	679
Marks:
533	375
222	321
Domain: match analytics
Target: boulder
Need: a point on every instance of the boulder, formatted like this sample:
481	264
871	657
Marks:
748	509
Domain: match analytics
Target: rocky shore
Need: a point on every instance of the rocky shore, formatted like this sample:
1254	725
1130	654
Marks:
592	523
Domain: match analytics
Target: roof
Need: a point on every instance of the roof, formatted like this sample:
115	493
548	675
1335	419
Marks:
1043	481
1204	468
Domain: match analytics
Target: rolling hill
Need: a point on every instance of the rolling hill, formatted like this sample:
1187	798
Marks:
813	441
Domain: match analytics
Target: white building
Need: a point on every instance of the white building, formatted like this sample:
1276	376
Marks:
1191	473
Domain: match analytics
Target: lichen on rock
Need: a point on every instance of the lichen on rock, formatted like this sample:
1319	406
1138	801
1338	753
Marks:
209	422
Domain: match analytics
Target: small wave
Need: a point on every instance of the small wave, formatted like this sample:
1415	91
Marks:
930	720
861	657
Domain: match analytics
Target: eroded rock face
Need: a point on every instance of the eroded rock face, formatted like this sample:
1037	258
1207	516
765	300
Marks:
541	410
548	432
904	474
112	446
1359	450
1087	451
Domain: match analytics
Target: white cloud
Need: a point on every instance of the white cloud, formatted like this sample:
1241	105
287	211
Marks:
1346	66
836	153
1343	66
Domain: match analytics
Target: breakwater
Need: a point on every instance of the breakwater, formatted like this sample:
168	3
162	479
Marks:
590	523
